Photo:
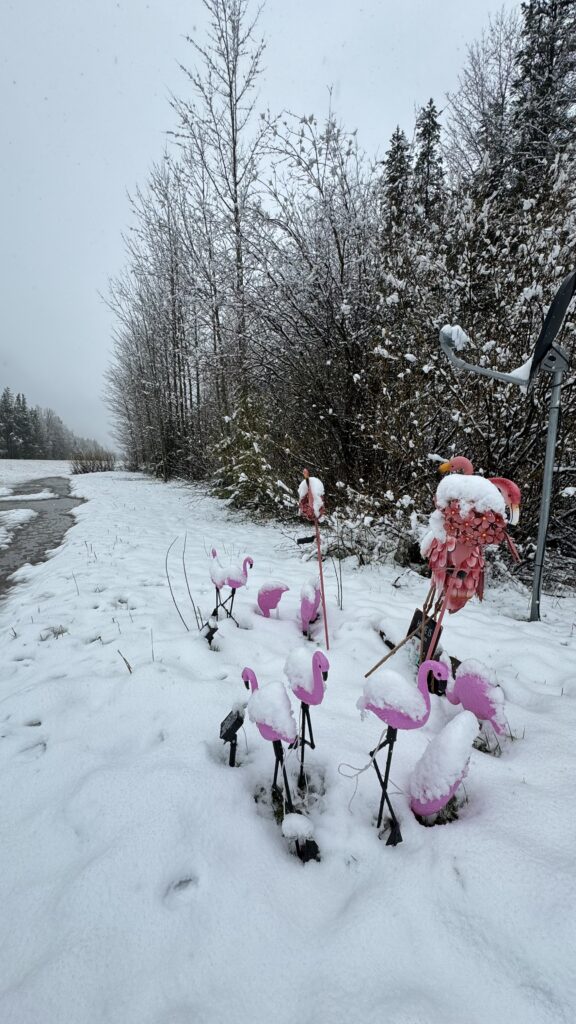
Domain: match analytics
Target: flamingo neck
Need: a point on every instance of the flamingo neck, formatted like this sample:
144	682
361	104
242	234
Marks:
250	677
246	564
423	671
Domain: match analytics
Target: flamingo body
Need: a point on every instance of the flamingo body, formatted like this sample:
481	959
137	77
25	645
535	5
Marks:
310	597
269	597
270	710
397	702
476	693
307	676
231	573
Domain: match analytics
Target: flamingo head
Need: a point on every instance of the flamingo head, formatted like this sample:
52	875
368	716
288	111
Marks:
249	678
459	464
321	664
439	670
511	494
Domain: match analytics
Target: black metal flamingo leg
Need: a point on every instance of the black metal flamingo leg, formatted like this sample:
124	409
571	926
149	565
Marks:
395	836
279	763
305	740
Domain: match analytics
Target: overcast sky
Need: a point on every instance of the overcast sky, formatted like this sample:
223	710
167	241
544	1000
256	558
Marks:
85	87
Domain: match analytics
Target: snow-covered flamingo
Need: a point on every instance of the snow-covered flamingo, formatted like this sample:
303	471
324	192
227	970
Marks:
228	573
400	705
270	709
307	678
443	765
310	597
470	515
473	688
269	596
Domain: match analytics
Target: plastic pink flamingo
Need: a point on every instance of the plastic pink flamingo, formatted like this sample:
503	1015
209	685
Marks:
475	691
270	709
443	765
233	574
310	597
400	705
269	596
307	678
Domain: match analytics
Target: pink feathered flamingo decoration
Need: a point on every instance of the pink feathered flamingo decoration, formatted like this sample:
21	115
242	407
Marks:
469	516
307	678
400	705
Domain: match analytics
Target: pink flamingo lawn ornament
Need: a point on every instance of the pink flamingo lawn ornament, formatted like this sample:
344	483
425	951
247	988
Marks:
307	678
270	709
400	705
470	515
233	574
476	692
443	766
311	506
310	598
269	596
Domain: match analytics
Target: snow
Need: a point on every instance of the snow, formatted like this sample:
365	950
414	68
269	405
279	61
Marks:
270	705
310	589
297	826
317	488
270	585
459	337
522	372
141	882
298	668
12	520
445	759
38	497
471	492
390	689
16	471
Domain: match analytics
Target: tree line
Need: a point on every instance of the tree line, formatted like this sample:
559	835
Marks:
283	292
29	432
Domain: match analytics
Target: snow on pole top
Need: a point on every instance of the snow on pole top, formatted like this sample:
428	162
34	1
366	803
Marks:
311	497
458	337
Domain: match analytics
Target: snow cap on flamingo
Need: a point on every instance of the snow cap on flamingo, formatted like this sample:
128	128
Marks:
443	765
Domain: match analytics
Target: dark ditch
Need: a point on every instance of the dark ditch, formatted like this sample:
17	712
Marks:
31	542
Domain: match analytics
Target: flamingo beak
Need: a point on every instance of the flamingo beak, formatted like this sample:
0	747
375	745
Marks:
514	514
325	676
444	467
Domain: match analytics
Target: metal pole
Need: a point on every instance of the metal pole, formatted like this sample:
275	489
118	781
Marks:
547	481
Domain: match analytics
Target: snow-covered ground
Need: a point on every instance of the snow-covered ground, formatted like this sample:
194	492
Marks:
12	520
140	880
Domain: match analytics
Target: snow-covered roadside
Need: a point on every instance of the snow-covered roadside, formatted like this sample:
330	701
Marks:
140	882
17	471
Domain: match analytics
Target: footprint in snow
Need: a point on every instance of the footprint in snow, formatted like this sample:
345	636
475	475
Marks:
182	888
33	751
